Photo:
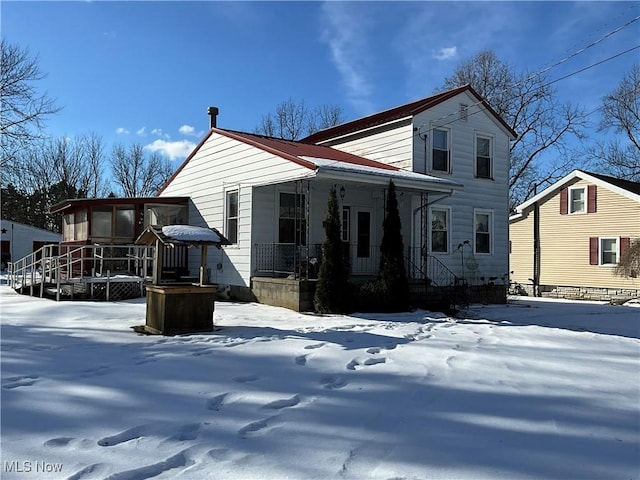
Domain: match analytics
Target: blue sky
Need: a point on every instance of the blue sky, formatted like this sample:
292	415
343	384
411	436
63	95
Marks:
147	71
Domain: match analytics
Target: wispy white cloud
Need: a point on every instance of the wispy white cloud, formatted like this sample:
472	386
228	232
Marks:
346	34
178	149
445	53
159	133
122	131
142	131
429	54
189	130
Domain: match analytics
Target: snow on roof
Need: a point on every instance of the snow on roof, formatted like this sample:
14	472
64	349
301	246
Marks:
323	163
189	233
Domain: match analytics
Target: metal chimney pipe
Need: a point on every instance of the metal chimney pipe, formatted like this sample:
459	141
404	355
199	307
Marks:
213	115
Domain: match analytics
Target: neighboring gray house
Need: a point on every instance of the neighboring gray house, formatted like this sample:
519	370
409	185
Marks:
20	240
448	156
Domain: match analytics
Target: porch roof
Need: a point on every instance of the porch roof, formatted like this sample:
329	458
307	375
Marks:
327	169
327	163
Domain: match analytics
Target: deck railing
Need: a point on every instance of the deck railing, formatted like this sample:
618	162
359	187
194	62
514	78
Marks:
56	265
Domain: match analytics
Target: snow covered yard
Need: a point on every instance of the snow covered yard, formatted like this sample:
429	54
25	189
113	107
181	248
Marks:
533	389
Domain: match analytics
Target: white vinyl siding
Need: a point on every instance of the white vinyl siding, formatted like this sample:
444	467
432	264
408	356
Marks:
222	163
391	144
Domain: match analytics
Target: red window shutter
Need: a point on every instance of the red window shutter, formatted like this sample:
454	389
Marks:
592	198
625	242
593	251
564	201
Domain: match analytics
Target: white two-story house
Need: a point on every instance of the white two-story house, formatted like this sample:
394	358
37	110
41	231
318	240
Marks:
448	156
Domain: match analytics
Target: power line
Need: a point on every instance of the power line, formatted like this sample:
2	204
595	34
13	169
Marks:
480	103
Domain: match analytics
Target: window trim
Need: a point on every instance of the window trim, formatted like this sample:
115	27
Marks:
227	216
601	251
491	140
570	191
345	234
448	230
490	214
448	132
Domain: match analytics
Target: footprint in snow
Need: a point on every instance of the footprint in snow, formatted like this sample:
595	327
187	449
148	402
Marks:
15	382
301	360
315	346
284	403
246	378
255	428
333	382
354	363
216	403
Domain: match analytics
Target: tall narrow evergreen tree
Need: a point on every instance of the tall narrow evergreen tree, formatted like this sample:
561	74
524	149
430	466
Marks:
393	274
331	288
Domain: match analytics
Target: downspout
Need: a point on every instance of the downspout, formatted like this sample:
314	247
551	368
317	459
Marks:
536	249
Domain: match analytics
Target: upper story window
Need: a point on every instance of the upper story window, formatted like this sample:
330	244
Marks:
483	229
440	150
484	164
232	216
580	199
577	200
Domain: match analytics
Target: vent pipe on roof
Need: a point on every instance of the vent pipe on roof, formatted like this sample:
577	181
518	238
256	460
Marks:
213	116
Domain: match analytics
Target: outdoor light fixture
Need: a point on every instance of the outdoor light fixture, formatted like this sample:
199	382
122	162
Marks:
342	192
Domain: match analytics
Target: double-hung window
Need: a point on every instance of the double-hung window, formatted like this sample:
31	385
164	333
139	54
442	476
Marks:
440	150
577	200
484	167
232	216
483	230
608	251
440	230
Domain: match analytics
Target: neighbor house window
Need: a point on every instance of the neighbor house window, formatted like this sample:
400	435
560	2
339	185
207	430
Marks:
232	216
292	225
439	230
608	251
440	150
483	227
577	200
483	157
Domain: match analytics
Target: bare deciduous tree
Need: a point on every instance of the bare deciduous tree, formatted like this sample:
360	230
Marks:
293	120
527	103
137	174
24	109
621	112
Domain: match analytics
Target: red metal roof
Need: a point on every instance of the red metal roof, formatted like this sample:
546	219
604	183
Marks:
396	113
295	151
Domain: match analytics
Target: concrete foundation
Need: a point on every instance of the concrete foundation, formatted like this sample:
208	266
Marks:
284	292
